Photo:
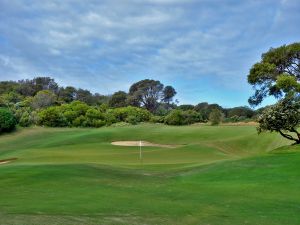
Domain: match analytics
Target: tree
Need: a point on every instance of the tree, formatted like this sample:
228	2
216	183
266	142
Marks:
186	107
215	117
84	96
10	98
283	117
45	83
277	74
8	86
118	99
205	109
67	94
241	111
7	120
168	94
43	99
32	87
146	93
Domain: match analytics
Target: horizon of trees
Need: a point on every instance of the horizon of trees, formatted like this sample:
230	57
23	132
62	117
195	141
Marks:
41	101
30	87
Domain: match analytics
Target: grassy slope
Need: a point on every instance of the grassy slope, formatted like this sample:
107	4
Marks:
74	176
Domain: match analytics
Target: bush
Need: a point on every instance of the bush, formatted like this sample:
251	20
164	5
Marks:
157	119
122	114
79	121
175	117
179	117
215	117
110	118
52	117
25	120
132	120
7	120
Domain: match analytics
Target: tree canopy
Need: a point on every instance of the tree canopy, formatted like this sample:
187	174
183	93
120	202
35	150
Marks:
118	99
277	74
283	117
146	93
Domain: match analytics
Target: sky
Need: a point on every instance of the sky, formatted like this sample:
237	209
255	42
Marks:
203	48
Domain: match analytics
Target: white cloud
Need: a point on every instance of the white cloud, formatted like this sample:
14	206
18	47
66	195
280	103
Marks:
96	42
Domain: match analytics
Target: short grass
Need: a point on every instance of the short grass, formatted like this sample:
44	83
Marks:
220	175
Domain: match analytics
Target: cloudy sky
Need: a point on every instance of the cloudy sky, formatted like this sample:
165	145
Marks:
204	48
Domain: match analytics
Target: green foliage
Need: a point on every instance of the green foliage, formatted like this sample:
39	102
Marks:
276	74
168	94
52	117
24	116
67	94
240	112
8	86
283	117
132	120
43	99
79	114
157	119
7	120
25	120
9	98
205	109
288	83
32	87
186	107
180	117
122	114
215	117
118	99
94	118
175	117
110	117
146	93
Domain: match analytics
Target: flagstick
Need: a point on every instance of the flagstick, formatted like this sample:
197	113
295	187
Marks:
141	157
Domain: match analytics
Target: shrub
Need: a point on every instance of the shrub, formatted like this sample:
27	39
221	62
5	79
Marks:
122	114
157	119
179	117
110	118
79	121
52	117
43	99
25	120
132	120
215	117
175	117
7	120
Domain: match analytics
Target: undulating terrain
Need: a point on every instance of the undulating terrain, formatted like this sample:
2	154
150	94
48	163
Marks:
212	175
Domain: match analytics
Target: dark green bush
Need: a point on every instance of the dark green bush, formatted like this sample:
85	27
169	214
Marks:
7	120
122	114
179	117
157	119
52	117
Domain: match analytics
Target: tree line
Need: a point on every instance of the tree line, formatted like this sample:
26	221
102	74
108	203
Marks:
41	101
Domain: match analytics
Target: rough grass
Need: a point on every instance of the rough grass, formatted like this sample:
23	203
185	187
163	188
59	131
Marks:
221	175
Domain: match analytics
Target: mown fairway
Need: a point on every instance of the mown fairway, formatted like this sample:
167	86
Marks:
219	175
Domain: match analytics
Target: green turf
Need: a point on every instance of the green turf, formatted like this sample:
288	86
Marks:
219	175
